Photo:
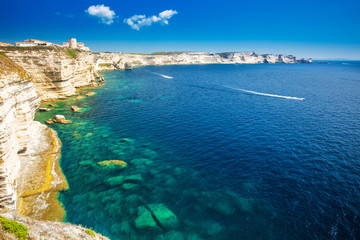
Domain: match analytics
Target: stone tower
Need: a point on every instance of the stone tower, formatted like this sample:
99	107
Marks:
72	43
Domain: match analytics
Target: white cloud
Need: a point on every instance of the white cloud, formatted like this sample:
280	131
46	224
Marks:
138	21
103	12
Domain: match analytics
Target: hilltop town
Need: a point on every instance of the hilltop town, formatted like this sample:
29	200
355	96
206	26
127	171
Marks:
72	43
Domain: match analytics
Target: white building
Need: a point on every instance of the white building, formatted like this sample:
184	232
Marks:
76	45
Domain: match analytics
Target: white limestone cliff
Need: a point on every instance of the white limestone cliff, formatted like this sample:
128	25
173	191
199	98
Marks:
54	72
108	61
17	109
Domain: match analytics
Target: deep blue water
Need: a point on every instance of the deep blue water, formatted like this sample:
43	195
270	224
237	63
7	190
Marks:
229	164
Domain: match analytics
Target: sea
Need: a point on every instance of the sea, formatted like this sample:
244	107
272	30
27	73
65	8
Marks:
219	151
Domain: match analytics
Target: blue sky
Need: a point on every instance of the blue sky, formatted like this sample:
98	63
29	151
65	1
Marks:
318	29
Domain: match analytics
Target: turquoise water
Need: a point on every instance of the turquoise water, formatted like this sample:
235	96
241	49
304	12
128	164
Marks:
216	152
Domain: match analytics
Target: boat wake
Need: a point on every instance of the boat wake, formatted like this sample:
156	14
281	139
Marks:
162	75
265	94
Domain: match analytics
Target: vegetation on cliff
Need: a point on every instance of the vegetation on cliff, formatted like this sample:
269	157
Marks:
90	232
7	66
72	52
19	230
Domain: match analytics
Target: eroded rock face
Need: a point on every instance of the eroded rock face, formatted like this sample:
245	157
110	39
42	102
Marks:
17	110
54	73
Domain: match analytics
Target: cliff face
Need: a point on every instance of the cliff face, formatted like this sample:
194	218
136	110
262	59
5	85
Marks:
108	61
55	73
30	176
18	103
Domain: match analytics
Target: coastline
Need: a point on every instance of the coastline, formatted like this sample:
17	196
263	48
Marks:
38	194
42	178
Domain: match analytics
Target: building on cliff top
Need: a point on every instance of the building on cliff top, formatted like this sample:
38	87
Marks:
75	45
5	44
33	43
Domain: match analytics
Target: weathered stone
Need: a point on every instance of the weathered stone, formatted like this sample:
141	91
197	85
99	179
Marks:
90	94
75	108
79	97
50	121
44	109
61	119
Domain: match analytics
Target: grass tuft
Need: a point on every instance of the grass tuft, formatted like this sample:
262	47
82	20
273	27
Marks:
7	66
90	232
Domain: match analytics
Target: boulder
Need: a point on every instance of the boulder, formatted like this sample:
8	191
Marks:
61	119
79	97
50	121
90	94
44	109
127	66
75	108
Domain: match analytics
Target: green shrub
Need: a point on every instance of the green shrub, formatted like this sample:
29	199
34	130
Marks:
71	52
105	65
14	227
1	53
90	232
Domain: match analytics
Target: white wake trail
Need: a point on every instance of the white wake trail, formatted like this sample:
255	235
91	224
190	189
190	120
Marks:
266	94
162	75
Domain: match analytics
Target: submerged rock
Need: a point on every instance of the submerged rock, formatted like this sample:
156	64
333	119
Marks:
150	153
128	186
244	204
119	180
214	228
156	216
141	161
164	215
128	140
113	164
171	235
86	162
145	219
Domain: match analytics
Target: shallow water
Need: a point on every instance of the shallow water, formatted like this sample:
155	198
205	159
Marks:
206	161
